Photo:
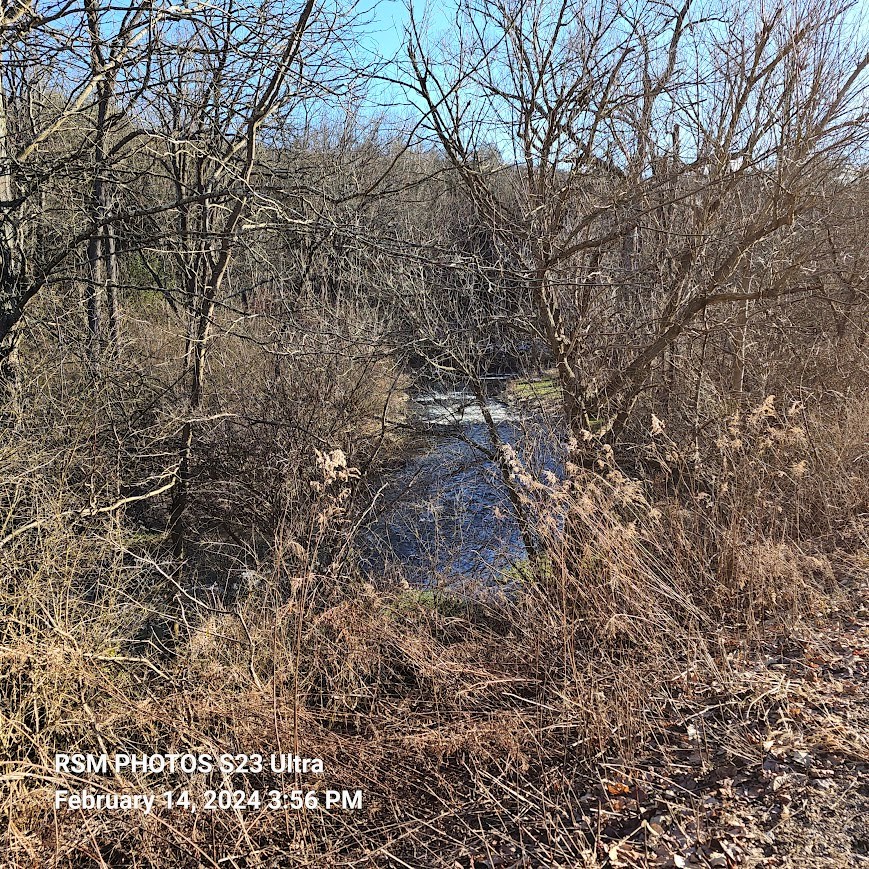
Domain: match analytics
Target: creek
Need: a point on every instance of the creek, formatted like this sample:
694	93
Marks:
444	512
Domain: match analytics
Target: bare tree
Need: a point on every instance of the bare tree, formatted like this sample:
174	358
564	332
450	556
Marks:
225	76
53	108
108	55
647	156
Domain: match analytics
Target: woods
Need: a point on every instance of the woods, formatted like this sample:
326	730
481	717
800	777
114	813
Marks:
473	412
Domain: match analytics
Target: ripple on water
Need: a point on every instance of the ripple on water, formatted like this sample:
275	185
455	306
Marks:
459	407
451	516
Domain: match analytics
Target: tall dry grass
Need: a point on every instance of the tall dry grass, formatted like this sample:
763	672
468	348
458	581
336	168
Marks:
456	716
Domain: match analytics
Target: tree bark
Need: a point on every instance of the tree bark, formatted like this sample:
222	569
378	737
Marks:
11	262
112	289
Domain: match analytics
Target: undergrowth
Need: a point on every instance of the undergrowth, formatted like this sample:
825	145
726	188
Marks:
428	701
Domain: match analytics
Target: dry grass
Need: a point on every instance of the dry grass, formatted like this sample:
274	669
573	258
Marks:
474	724
456	721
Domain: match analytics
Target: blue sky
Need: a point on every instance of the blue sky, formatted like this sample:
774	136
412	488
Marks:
384	34
388	20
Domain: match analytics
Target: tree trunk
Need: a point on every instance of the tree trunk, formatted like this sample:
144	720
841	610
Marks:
93	288
112	287
98	244
11	263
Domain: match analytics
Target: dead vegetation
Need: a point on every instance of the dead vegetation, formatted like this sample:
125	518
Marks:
641	700
221	282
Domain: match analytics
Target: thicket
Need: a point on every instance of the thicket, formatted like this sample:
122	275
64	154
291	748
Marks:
218	285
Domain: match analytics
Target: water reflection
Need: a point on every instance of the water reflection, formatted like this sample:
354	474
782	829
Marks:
446	514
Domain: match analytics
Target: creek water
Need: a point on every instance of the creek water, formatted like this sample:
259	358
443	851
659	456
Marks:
444	513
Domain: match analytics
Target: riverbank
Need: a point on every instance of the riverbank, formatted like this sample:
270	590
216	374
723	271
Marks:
621	707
